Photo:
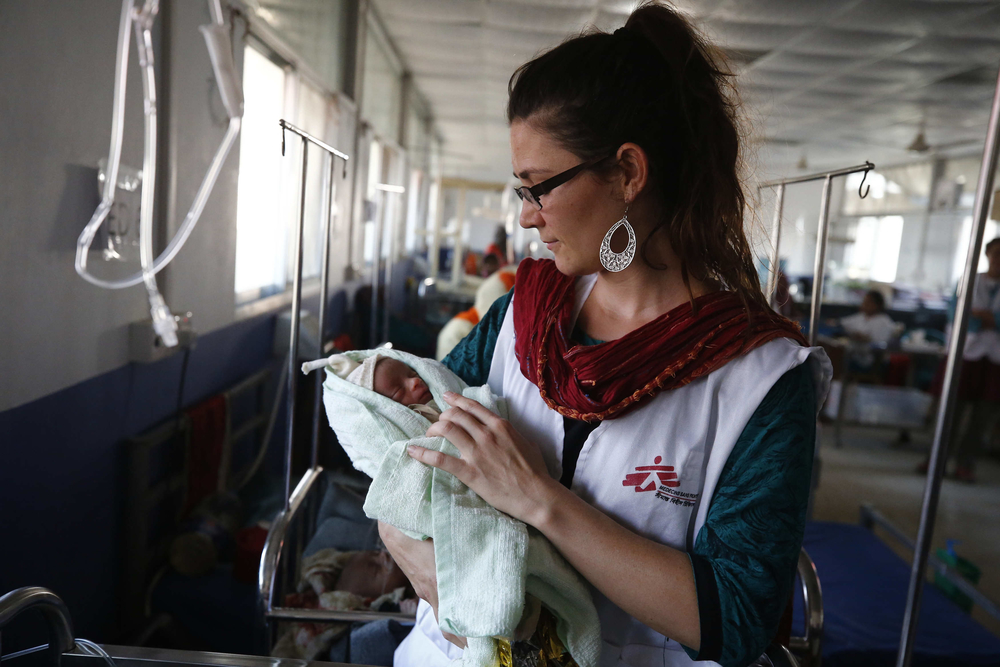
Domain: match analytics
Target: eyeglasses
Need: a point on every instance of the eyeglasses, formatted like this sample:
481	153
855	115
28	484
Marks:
534	194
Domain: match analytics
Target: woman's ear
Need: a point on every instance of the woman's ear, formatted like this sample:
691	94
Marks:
634	165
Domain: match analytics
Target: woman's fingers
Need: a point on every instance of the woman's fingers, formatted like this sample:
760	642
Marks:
453	432
475	408
439	460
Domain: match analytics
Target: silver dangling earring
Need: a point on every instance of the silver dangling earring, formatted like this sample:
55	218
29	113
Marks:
618	261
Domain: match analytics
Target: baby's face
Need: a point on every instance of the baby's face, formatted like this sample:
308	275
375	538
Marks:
396	380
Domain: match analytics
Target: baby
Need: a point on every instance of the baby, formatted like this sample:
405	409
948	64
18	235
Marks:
394	380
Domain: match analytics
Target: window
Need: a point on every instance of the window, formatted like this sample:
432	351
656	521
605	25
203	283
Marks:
874	253
259	230
268	199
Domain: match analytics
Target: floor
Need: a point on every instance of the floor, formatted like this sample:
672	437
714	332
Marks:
872	468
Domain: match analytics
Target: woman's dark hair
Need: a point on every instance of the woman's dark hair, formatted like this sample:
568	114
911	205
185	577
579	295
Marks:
656	83
878	298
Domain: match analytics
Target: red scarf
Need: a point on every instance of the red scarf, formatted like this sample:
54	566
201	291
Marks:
604	381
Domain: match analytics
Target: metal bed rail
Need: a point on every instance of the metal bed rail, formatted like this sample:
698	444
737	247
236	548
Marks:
809	648
279	565
871	517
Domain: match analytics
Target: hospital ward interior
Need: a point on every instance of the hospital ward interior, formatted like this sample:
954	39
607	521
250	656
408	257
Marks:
310	353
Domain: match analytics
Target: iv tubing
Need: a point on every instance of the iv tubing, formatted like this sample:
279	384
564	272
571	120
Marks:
225	74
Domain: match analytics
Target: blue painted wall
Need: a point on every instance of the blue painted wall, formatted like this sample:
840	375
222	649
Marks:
61	476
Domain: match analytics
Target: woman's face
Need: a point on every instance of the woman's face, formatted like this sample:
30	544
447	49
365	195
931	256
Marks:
576	215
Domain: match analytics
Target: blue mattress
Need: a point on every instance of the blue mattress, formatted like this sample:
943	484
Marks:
864	596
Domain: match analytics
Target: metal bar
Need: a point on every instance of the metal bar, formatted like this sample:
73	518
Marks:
870	517
248	426
772	278
946	409
376	264
435	252
275	542
385	191
820	264
328	203
327	615
457	266
293	341
389	218
308	137
867	166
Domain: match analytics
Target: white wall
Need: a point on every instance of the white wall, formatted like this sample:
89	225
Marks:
55	124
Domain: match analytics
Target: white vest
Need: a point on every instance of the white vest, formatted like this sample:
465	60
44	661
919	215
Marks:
653	470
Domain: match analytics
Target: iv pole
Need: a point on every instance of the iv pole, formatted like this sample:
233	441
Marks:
946	410
822	235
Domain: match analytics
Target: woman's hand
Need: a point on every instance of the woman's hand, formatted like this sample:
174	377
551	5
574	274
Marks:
416	559
497	463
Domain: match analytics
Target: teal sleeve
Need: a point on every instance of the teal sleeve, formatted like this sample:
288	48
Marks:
471	358
744	557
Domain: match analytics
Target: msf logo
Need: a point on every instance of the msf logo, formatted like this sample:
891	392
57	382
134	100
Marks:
646	478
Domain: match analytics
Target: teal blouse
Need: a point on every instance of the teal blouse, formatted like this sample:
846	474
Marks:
744	558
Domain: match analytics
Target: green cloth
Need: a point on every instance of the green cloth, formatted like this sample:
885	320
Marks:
476	547
745	556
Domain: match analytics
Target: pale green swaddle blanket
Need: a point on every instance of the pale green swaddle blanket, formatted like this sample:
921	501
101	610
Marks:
486	561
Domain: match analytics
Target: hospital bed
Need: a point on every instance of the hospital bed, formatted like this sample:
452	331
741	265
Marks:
158	492
864	597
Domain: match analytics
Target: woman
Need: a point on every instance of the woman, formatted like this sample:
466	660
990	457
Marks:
979	383
662	417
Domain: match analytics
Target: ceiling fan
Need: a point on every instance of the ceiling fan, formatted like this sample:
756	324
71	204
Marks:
920	145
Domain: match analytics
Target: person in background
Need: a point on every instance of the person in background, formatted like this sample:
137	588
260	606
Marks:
491	263
499	246
495	286
979	384
871	324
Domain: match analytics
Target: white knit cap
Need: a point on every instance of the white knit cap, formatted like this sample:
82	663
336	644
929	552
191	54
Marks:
340	364
364	375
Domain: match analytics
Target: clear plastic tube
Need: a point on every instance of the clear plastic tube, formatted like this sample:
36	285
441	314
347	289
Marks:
183	233
164	323
219	48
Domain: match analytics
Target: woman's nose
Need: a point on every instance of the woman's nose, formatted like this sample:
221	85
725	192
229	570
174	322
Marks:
531	216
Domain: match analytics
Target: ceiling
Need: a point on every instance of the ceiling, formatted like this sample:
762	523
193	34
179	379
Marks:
834	81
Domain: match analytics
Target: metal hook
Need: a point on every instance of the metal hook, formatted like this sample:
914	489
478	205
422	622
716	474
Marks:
860	185
282	140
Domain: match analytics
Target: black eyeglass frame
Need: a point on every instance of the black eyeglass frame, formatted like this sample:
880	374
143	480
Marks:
534	194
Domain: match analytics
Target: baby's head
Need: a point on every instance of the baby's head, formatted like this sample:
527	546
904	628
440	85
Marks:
399	382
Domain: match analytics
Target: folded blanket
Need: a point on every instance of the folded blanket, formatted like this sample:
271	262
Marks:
486	561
